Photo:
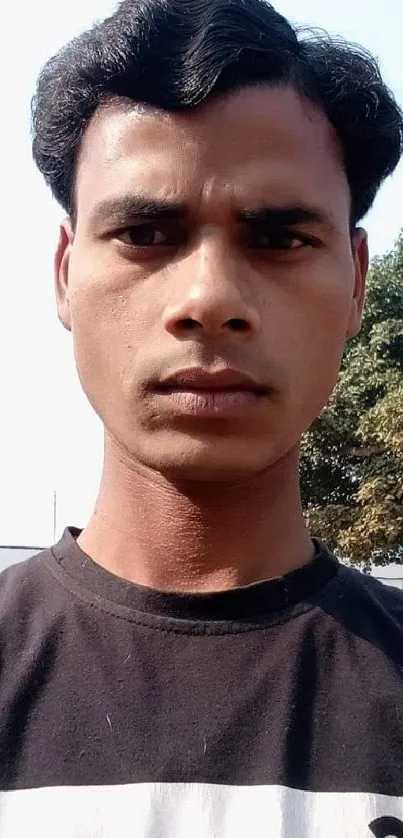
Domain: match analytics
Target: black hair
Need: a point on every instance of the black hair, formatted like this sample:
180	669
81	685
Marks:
177	54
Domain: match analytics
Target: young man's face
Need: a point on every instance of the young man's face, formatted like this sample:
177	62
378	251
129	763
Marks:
212	241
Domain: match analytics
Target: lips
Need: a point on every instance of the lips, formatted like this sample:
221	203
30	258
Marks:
221	380
210	393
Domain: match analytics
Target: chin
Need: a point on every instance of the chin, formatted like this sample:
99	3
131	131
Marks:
214	461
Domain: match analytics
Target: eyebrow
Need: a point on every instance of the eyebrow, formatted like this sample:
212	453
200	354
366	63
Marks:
133	207
288	215
129	208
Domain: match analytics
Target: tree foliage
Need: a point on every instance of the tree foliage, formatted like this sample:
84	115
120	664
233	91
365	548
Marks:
352	458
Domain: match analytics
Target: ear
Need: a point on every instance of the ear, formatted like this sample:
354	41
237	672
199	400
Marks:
361	264
61	272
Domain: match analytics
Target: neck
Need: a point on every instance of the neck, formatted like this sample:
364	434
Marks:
199	537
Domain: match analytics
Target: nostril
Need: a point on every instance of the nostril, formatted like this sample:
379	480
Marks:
187	324
238	325
190	324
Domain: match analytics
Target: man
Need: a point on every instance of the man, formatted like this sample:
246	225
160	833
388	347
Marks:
192	663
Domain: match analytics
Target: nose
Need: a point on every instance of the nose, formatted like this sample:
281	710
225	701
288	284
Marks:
211	295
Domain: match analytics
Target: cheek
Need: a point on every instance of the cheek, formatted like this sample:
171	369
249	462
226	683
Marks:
105	337
318	335
325	291
306	317
115	325
110	299
331	308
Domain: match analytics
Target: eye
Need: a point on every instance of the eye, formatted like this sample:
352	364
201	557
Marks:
144	235
278	241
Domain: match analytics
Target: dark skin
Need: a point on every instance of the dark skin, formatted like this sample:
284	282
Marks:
216	239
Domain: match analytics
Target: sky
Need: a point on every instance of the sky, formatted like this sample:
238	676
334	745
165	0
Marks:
50	440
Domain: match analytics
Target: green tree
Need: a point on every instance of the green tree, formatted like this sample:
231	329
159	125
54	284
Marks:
352	458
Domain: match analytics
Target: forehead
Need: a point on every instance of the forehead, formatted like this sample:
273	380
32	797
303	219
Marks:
257	144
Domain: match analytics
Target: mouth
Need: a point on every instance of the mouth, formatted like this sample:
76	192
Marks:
205	393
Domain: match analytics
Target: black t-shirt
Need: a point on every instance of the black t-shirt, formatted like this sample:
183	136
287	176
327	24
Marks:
271	711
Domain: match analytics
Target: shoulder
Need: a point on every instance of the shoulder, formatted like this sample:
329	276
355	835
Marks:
373	592
20	581
367	608
30	600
